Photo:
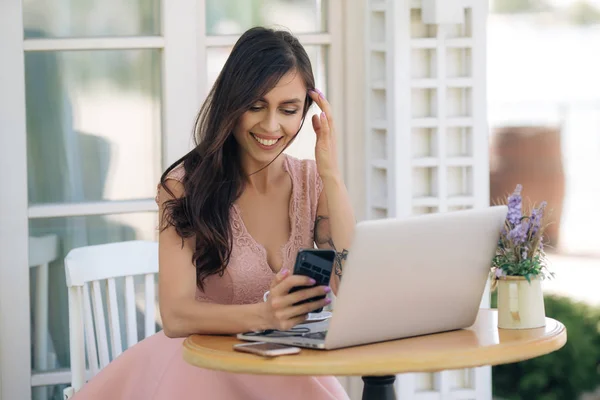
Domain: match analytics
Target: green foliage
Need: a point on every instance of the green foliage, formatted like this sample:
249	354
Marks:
519	6
563	374
529	268
584	13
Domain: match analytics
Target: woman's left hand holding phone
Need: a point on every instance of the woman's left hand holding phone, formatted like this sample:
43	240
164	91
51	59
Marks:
279	310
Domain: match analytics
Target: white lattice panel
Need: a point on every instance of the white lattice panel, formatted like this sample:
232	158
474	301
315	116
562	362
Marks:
427	134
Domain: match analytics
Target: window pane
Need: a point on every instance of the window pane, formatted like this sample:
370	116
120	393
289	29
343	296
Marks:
90	18
304	145
50	392
93	125
66	234
231	17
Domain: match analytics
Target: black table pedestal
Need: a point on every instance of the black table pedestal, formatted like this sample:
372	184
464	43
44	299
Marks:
379	388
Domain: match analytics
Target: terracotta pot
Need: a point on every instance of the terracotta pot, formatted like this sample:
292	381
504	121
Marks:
520	303
531	156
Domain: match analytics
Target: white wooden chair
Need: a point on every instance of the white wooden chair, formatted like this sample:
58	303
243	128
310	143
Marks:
88	269
42	251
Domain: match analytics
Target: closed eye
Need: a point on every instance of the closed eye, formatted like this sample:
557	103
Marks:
283	110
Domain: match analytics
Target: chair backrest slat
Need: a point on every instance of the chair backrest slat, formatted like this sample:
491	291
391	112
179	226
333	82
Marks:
150	298
76	345
130	313
113	318
90	336
100	324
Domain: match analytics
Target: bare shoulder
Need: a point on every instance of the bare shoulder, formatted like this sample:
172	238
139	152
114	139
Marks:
300	162
173	186
172	189
303	167
177	173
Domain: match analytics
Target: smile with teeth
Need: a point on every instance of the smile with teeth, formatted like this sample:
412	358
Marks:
265	142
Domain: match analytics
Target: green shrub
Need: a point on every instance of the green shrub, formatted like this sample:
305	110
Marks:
519	6
563	374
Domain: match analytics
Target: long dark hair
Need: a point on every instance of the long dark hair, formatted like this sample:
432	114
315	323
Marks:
213	177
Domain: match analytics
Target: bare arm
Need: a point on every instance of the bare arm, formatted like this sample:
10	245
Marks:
181	313
334	225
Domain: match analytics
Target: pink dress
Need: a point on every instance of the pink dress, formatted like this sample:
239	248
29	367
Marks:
154	368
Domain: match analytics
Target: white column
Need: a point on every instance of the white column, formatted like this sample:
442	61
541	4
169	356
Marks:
426	132
182	56
15	354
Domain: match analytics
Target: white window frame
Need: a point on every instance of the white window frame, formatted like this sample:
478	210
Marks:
14	272
179	73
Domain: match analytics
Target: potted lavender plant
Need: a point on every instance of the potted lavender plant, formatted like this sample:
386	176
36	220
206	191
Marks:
519	266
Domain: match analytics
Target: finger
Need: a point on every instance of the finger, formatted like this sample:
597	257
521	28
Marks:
314	95
283	287
294	280
323	104
279	277
316	122
290	323
325	130
304	294
302	309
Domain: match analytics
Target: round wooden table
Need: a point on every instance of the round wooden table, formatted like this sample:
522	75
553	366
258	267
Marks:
481	344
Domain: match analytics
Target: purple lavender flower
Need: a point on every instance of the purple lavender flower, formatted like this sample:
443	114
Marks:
499	273
518	234
536	218
515	205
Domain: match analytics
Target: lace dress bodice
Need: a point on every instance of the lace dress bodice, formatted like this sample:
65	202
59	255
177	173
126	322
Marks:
248	275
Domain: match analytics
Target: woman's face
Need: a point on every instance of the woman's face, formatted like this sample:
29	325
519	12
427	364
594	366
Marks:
267	127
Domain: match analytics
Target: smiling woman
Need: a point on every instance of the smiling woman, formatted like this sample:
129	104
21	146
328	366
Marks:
234	212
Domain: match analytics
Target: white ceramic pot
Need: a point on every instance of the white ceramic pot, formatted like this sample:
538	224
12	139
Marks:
520	303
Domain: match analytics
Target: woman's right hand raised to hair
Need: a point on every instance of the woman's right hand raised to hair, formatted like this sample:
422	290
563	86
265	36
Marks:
279	308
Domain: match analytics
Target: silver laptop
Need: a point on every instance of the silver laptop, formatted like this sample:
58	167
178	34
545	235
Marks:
406	277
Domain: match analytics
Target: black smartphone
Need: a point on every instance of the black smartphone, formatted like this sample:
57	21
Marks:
316	264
